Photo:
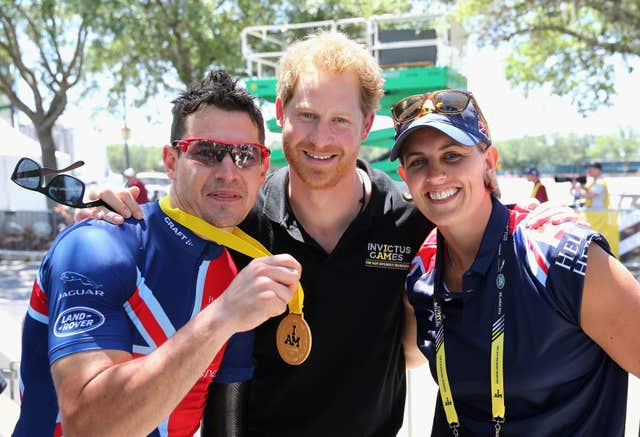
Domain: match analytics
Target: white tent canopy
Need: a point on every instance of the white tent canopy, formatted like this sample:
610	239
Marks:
15	143
13	146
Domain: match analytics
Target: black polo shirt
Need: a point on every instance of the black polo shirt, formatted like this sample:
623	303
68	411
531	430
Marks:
353	383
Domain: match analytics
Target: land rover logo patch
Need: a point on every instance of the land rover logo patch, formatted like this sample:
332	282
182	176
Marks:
77	320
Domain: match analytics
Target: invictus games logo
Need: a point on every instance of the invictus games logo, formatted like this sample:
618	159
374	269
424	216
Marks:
388	256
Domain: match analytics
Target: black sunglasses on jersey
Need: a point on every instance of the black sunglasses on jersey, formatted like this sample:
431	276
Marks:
64	189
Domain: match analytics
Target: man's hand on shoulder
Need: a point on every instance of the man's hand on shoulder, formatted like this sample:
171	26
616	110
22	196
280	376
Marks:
123	200
548	212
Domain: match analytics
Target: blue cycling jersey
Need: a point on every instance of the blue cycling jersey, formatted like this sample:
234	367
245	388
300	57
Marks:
127	288
558	382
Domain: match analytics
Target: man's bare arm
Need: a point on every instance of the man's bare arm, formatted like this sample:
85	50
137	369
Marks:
108	393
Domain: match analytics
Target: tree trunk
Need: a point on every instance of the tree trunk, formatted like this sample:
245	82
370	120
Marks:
48	148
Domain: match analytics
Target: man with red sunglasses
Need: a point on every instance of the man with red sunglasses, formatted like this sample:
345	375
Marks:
128	325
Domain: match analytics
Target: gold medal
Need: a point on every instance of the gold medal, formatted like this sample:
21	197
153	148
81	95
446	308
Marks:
293	339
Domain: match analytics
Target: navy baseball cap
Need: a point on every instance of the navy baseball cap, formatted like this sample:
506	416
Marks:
532	171
465	128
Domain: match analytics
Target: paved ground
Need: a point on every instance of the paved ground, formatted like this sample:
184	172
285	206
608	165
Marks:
16	279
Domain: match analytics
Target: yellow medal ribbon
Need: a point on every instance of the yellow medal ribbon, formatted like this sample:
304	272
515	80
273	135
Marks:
238	241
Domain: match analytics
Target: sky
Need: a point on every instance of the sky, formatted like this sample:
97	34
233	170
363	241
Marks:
509	113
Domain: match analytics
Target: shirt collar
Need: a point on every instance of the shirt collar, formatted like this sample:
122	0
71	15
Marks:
274	195
275	200
491	239
486	253
183	236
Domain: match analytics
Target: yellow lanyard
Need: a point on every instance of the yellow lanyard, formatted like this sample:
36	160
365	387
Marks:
238	241
497	356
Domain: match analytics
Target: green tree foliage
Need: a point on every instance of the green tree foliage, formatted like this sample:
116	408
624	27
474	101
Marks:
301	11
140	158
548	152
42	48
572	45
623	147
154	45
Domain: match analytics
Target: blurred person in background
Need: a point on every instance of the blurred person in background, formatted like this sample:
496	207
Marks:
595	191
539	190
130	175
593	195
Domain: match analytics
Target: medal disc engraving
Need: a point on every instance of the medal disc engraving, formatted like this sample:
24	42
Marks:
293	339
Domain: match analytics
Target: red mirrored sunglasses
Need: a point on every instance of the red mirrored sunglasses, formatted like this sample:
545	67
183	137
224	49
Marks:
210	151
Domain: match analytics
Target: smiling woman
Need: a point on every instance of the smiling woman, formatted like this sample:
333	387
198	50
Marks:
546	314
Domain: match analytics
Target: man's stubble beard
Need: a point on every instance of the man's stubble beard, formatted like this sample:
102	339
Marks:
315	178
220	216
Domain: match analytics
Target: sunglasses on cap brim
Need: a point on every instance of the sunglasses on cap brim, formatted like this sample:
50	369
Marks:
447	102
